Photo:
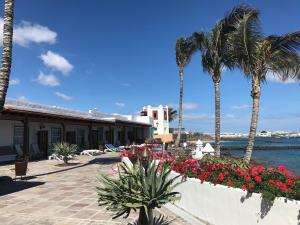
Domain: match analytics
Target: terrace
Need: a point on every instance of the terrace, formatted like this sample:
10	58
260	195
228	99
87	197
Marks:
61	195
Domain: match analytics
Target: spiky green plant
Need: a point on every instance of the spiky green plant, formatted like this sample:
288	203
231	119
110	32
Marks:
65	150
137	188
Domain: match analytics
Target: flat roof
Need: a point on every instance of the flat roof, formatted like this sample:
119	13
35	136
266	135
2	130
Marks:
54	111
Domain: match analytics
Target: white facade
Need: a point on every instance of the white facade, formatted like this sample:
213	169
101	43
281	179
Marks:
160	118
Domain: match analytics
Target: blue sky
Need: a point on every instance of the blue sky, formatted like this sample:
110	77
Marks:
118	56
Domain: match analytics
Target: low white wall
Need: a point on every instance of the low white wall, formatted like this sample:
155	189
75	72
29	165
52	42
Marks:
221	205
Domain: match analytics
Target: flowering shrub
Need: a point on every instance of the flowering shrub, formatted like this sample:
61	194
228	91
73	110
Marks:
270	182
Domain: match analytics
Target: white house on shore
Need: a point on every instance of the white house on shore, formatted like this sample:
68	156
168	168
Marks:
32	129
160	118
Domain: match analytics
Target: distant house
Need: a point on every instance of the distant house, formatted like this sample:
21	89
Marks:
159	117
33	128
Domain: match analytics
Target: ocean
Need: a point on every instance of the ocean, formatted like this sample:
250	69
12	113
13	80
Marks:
289	157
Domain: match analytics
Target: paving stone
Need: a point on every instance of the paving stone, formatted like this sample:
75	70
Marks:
67	197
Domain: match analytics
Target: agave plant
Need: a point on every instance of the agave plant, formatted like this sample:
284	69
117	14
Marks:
65	150
137	188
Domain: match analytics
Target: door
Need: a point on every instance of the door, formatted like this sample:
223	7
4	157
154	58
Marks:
95	142
43	142
71	137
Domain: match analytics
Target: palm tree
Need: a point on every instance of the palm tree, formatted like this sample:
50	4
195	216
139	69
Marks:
257	55
172	114
216	56
6	50
185	47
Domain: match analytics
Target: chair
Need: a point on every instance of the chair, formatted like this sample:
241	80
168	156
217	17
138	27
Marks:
35	151
112	148
18	150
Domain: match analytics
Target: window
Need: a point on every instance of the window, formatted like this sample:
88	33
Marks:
165	115
18	135
55	135
154	114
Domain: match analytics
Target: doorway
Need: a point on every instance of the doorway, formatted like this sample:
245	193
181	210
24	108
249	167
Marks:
43	142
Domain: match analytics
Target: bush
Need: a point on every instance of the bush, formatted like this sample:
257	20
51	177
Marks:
137	188
65	150
270	182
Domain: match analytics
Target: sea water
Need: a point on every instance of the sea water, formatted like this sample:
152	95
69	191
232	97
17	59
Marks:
289	157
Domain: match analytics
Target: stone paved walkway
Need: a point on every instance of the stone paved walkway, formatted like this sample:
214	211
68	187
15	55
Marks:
61	195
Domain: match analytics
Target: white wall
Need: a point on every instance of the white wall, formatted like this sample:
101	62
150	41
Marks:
7	132
160	123
220	205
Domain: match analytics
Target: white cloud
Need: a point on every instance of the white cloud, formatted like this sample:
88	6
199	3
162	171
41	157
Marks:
15	81
47	80
56	62
201	116
23	99
63	96
26	33
243	106
273	78
186	105
120	104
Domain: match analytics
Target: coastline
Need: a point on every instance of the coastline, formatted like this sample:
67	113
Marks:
261	148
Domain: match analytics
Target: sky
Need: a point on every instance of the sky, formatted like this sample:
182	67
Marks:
119	55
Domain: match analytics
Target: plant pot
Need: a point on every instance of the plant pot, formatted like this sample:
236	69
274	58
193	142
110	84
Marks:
21	168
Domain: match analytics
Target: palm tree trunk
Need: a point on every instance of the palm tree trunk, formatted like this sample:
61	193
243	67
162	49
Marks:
255	94
143	218
216	80
6	50
180	108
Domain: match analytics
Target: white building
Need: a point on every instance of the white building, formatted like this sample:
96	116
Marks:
33	129
160	118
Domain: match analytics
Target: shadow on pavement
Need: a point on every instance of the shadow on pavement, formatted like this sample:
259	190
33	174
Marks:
16	186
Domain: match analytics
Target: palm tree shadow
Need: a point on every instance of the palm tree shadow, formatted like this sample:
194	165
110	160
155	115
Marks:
158	220
100	161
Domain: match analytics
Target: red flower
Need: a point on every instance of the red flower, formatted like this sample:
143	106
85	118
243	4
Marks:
271	182
220	166
258	179
251	186
254	173
226	173
221	177
229	183
228	166
244	187
289	182
247	178
283	188
281	168
279	184
260	169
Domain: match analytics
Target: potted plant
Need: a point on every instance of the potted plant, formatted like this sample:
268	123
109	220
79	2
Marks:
65	150
138	188
21	165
